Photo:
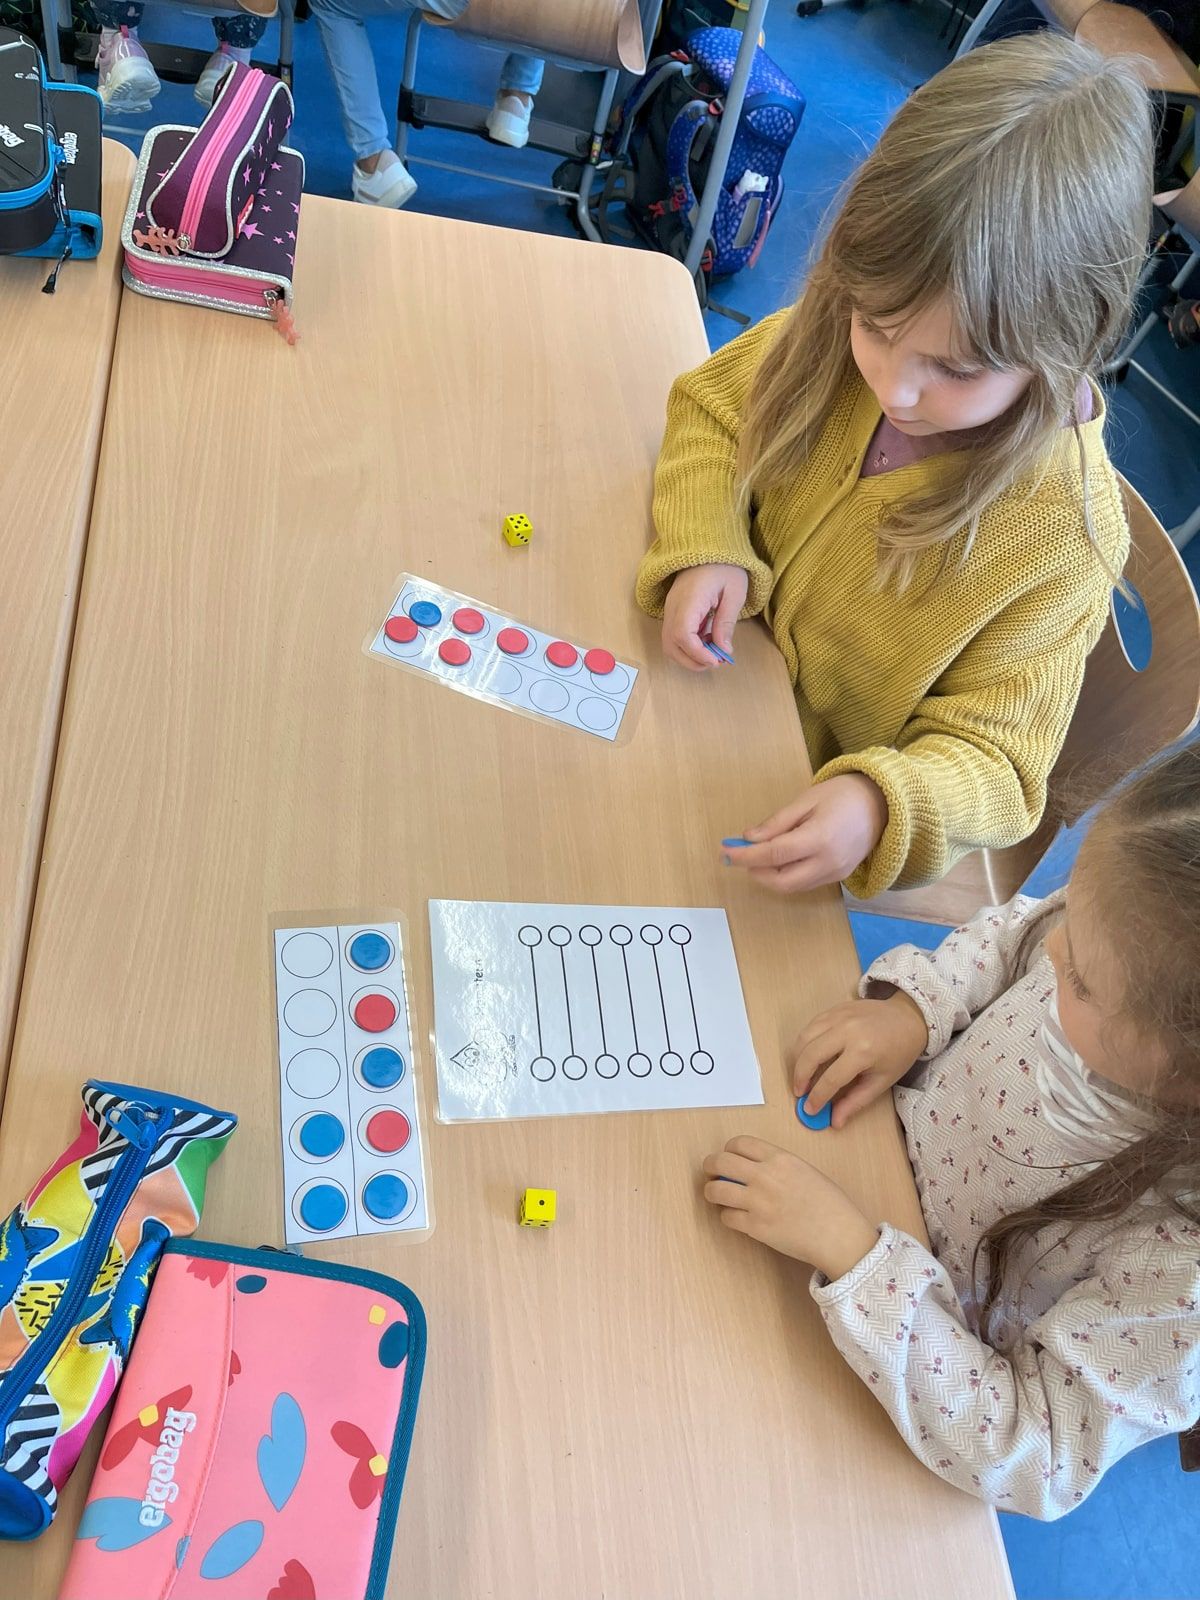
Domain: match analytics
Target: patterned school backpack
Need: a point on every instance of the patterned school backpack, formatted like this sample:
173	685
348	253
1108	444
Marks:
663	150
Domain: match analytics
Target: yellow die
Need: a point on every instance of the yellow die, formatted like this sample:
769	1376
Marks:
518	529
538	1208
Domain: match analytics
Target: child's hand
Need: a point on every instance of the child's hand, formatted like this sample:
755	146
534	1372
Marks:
696	594
780	1200
857	1051
818	839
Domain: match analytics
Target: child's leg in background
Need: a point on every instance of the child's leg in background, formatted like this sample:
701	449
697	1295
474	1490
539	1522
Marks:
520	80
341	24
236	37
125	78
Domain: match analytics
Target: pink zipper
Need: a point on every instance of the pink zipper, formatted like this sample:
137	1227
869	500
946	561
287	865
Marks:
188	279
193	206
192	279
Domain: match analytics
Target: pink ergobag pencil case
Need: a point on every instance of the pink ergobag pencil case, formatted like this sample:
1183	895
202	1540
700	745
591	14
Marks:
260	1435
207	192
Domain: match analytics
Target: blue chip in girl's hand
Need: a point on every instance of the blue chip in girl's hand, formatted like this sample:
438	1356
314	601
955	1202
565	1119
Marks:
823	1119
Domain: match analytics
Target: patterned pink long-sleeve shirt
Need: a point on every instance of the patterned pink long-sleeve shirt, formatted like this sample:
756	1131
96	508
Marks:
1102	1350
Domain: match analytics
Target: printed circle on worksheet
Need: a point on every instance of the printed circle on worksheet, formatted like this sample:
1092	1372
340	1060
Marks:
671	1063
374	1010
320	1205
389	1197
312	1074
651	934
400	629
369	951
563	657
471	622
454	652
620	934
701	1062
640	1065
589	934
514	642
310	1013
379	1067
547	696
384	1131
505	679
306	955
424	613
679	934
317	1137
598	715
529	935
542	1068
559	935
615	682
607	1066
574	1067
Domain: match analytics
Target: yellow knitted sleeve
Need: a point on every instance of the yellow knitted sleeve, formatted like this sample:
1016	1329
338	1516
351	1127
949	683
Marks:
969	768
695	500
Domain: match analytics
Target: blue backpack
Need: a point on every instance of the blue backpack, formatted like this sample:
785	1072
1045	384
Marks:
663	146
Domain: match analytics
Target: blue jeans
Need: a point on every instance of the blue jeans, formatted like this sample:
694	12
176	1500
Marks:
352	65
241	31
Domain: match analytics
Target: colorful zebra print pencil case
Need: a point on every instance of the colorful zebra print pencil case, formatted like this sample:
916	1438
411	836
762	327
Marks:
261	1434
76	1259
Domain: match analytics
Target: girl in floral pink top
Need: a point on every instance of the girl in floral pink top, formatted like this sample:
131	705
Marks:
1050	1058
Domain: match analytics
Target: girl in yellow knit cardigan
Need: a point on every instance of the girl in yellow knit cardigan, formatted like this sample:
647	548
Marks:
906	474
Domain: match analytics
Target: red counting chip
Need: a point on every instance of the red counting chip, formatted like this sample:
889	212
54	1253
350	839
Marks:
512	641
387	1132
400	630
468	620
561	654
599	661
375	1013
454	652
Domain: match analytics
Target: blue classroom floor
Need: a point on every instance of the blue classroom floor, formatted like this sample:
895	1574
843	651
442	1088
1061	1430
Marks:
1135	1538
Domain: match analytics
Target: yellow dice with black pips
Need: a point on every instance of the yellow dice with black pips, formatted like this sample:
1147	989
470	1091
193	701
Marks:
518	530
538	1207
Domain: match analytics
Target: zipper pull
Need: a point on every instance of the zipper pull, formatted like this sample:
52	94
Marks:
284	322
51	282
161	241
136	1123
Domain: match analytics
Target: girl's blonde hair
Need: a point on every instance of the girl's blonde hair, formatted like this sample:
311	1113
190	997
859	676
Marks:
1017	183
1140	870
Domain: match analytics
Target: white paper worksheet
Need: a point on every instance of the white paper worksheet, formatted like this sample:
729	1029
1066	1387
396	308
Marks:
544	1010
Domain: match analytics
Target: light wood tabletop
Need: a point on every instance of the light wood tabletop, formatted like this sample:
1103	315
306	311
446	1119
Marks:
57	354
633	1404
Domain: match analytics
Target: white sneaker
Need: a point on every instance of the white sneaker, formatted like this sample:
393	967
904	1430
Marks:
391	184
127	81
508	120
215	68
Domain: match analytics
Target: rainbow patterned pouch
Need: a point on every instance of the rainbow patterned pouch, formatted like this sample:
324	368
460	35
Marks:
76	1259
259	1442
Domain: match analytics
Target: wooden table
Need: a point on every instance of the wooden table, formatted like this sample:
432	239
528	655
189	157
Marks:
634	1404
57	354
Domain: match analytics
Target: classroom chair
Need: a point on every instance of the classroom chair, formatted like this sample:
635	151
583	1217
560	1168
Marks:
1124	716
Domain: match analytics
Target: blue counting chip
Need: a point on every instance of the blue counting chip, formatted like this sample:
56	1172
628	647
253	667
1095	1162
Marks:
370	951
425	614
382	1067
323	1207
322	1135
385	1196
823	1119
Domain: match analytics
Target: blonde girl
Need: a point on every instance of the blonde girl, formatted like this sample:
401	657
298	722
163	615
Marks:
905	473
1053	1124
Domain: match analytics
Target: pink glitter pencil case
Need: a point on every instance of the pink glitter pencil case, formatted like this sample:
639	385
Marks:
262	1430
